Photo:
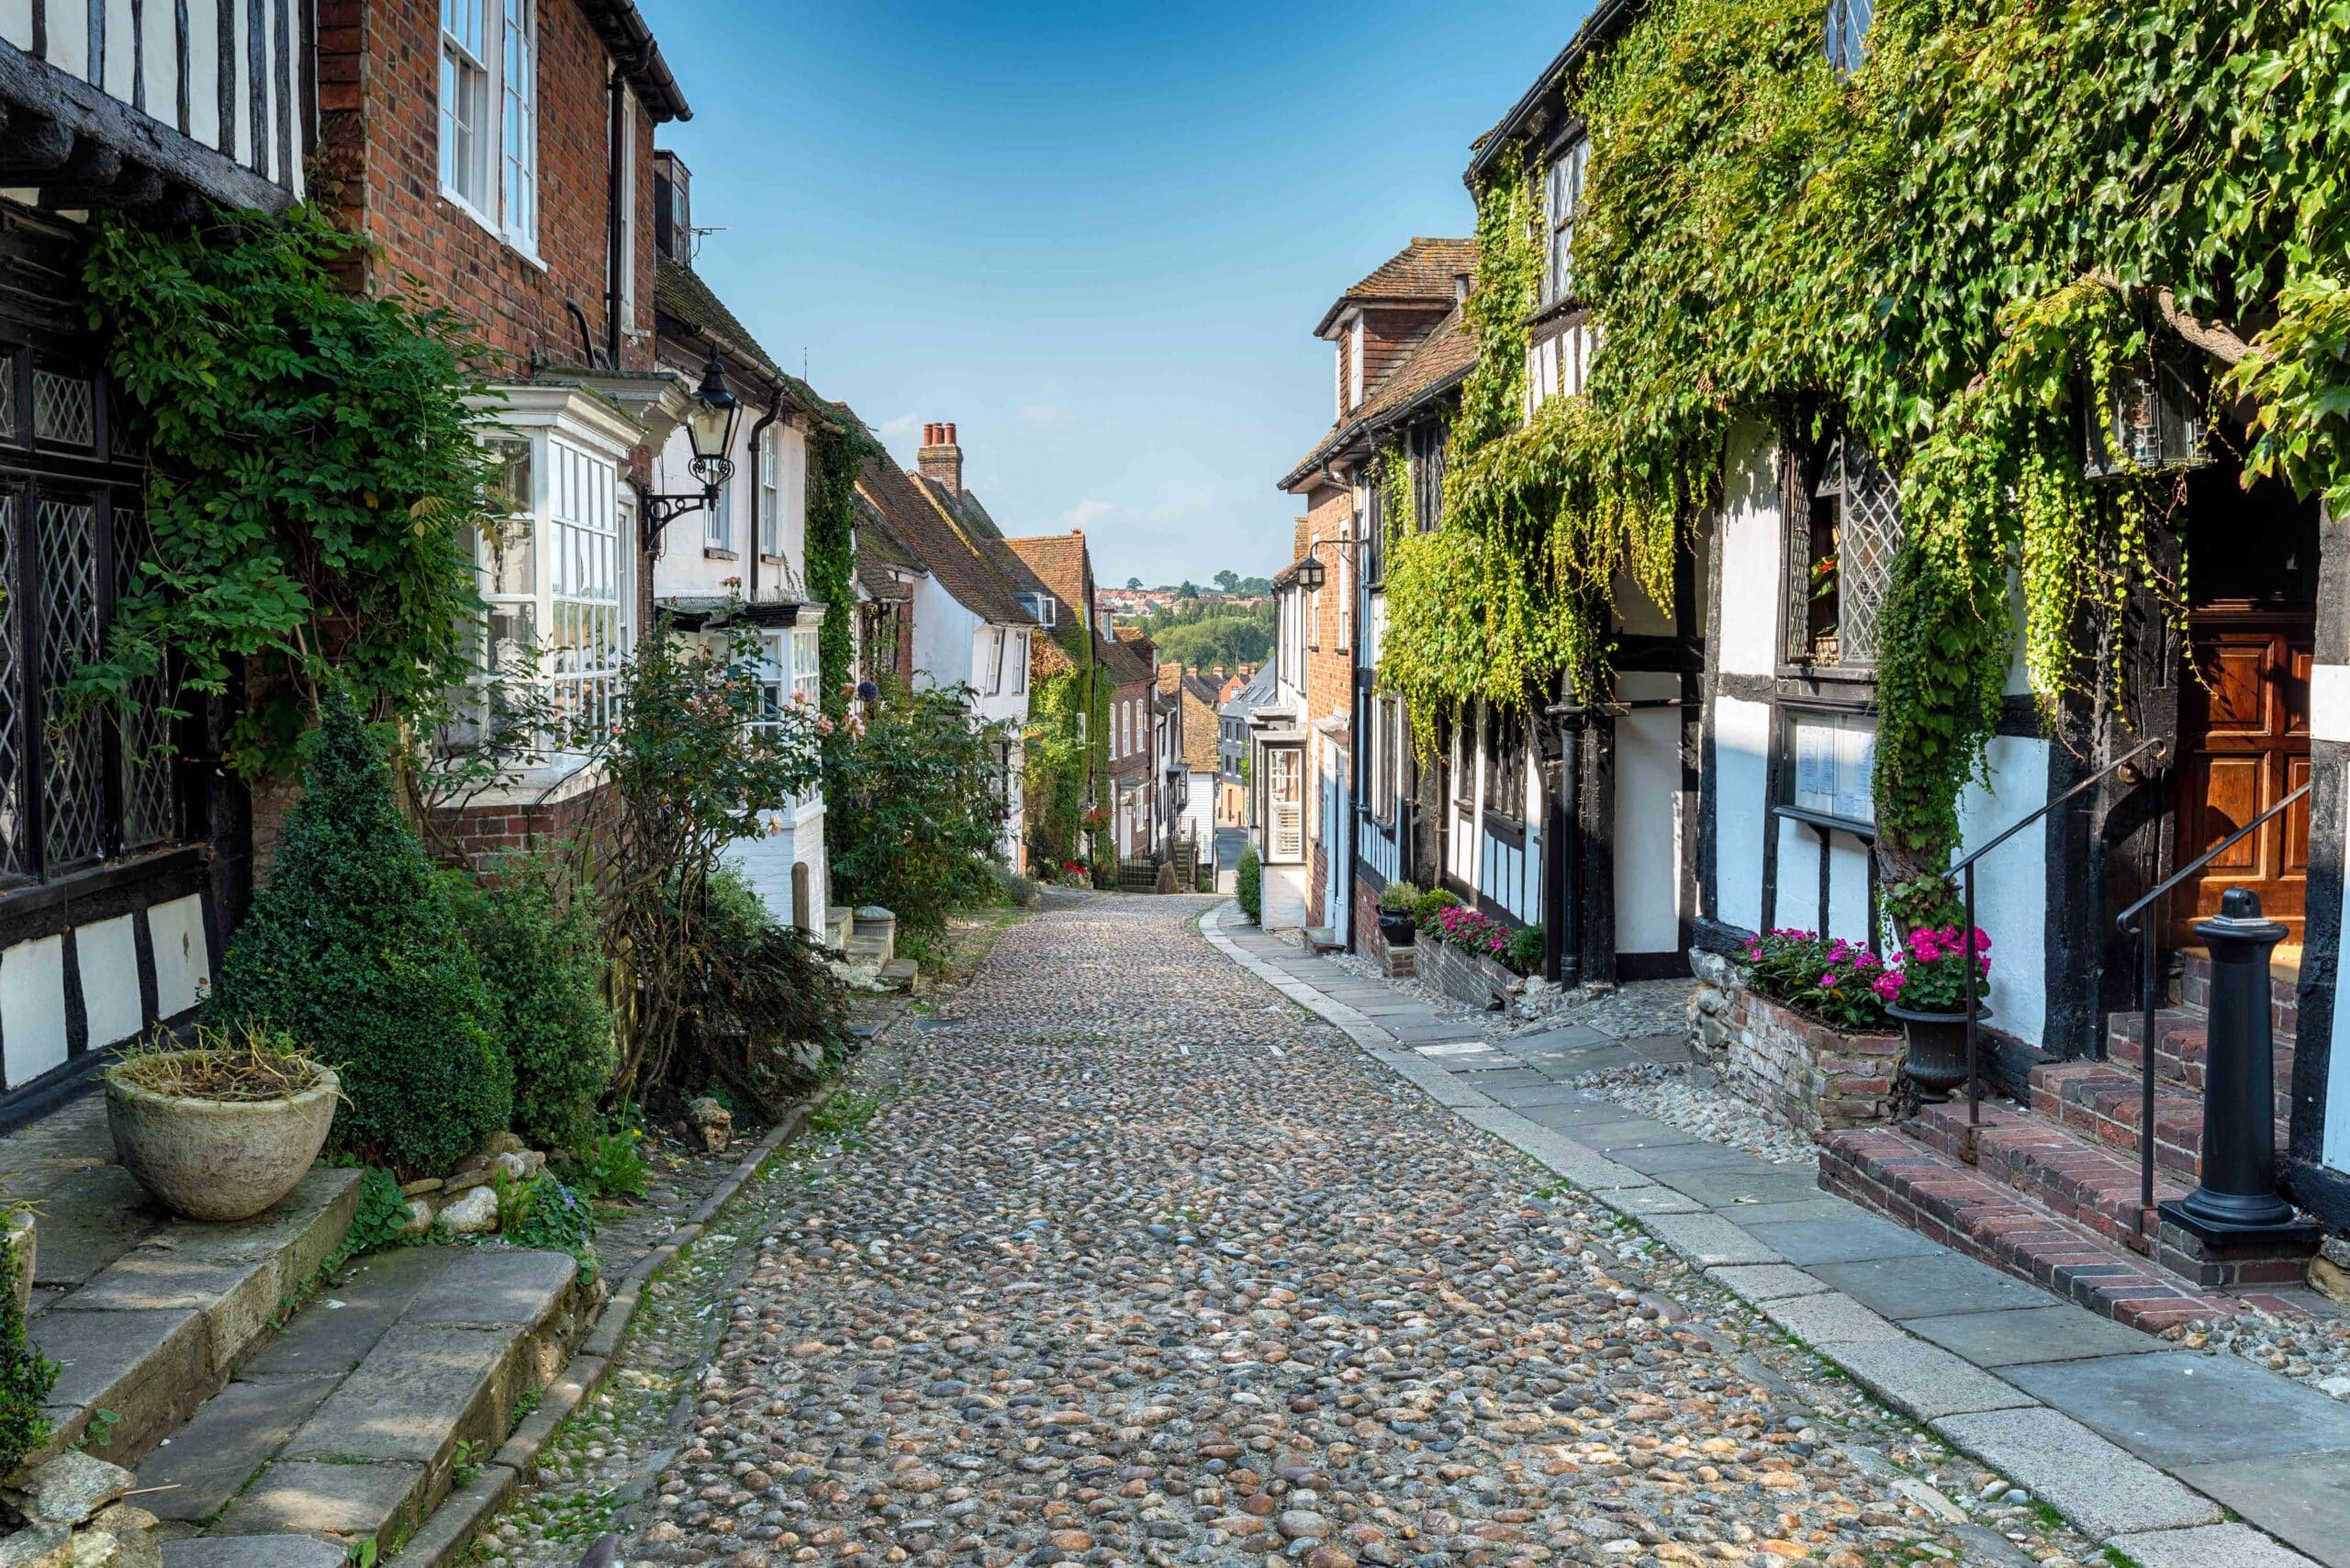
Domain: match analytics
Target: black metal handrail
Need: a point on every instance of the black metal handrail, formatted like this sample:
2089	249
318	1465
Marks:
1965	871
2145	930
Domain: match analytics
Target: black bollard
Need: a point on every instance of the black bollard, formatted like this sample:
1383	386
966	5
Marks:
2239	1190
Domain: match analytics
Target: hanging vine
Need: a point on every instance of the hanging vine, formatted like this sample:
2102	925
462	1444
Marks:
1958	246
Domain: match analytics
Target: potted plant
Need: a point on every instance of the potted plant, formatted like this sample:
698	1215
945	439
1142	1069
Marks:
1397	925
1927	989
222	1129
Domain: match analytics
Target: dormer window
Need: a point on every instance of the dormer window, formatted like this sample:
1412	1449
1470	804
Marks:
1847	38
1562	200
1042	607
1354	365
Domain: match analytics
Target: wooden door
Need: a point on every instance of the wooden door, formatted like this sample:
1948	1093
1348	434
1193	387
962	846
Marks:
2245	744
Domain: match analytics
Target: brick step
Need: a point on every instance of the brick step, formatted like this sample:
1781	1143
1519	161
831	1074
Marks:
2105	1104
2085	1183
2284	988
2182	1046
1934	1194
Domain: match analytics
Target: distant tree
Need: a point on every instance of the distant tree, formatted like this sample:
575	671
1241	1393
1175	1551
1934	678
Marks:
1256	584
1229	580
1134	585
1189	590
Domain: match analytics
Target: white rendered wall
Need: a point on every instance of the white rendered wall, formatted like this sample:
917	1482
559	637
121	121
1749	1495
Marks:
1741	754
2012	882
1648	819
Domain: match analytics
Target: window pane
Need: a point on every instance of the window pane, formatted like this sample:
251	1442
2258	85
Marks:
16	856
150	813
73	784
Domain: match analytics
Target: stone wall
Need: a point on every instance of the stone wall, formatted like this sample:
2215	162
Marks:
1464	977
1800	1071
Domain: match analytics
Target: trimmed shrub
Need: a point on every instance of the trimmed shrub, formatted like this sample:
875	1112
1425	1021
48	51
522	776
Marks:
530	928
1429	904
1400	897
26	1376
1524	951
354	950
1248	886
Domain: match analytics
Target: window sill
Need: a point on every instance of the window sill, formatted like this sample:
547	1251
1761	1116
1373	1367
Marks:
1847	675
1506	829
718	552
1826	823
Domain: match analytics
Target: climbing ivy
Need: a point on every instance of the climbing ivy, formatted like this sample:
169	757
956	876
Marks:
1956	248
315	476
835	454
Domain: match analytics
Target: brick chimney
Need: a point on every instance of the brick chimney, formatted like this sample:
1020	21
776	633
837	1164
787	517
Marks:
940	460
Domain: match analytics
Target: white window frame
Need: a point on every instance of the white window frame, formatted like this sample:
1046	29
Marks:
1019	662
626	132
807	666
1354	364
1561	204
1830	763
770	496
718	532
489	77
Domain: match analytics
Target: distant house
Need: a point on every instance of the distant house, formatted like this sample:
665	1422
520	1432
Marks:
1233	775
970	628
1201	748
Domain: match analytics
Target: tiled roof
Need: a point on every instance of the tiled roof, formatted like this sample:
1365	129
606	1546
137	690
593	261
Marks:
880	556
926	529
1123	660
1424	272
1059	561
1435	365
1199	731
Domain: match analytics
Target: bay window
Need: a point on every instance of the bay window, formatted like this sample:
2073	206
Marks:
489	114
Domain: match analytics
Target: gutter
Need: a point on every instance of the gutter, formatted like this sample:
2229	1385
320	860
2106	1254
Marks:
1606	19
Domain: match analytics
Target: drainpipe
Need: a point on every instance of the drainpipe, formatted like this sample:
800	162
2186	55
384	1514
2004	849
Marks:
775	411
616	198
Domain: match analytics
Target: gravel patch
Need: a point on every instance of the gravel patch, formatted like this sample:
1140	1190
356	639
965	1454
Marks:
1689	1096
2315	1350
1133	1265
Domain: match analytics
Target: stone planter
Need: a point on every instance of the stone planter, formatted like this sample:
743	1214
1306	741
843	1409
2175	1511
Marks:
1936	1062
218	1159
1468	977
1799	1069
1397	928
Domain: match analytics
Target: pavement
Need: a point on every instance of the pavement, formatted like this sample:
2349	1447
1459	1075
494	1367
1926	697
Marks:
2176	1458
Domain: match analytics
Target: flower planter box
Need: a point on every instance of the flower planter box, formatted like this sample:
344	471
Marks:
1800	1071
1468	977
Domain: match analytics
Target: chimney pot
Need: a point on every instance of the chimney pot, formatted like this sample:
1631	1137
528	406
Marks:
950	435
941	461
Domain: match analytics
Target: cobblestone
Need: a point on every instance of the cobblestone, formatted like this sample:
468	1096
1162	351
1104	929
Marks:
1136	1263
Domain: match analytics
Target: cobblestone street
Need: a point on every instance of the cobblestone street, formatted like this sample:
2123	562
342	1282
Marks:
1133	1260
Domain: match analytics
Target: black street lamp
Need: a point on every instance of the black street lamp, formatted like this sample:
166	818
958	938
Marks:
717	413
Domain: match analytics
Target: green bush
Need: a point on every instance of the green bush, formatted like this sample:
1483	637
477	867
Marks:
1248	886
1400	897
1429	904
549	1216
773	1022
26	1376
1015	890
1523	952
530	927
913	807
354	950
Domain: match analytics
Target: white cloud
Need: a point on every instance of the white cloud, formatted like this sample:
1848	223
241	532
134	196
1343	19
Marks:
1086	513
902	427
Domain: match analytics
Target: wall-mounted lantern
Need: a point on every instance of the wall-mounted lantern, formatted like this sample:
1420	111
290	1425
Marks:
2155	421
717	413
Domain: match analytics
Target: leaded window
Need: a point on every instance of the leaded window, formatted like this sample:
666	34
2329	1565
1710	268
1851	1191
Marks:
1429	444
79	784
1845	515
1561	202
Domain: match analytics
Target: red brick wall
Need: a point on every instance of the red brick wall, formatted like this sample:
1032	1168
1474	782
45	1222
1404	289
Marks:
477	832
379	164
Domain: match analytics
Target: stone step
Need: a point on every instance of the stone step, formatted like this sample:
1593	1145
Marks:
146	1314
352	1424
1967	1209
903	974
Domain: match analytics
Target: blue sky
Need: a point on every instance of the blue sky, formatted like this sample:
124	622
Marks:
1096	237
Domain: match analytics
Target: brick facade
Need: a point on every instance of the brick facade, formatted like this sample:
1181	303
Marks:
378	164
1328	530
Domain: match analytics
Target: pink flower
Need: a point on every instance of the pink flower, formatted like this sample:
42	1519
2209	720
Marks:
1888	986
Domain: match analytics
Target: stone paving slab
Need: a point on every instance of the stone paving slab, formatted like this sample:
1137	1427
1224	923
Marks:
2186	1409
422	1389
1697	1154
1630	1133
88	1220
1766	1281
237	1432
1831	1319
1573	1037
2077	1472
152	1369
2306	1502
294	1497
1658	1201
2021	1337
2213	1546
1708	1240
495	1285
254	1551
329	1339
1852	1240
1574	1115
1931	1286
1547	1095
1924	1381
1758	1183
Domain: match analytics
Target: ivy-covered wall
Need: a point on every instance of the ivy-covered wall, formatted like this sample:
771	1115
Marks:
1959	245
